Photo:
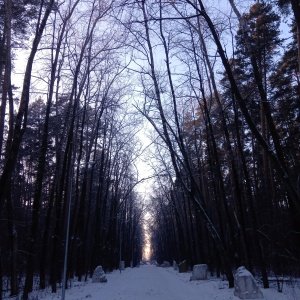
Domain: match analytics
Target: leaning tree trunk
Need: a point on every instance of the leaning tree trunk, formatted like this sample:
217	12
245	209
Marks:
193	193
252	207
280	168
39	186
21	118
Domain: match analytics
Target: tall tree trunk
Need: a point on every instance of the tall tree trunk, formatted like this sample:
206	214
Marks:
44	246
237	194
280	168
194	193
6	61
296	11
252	207
1	275
21	118
13	236
39	183
234	174
59	215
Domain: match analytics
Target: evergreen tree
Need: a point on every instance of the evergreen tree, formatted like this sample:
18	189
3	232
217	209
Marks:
261	41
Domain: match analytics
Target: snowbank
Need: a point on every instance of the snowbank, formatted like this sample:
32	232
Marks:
152	283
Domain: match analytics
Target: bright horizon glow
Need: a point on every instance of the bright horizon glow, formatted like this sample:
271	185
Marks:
147	247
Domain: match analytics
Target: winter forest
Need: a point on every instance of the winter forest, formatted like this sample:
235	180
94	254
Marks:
148	129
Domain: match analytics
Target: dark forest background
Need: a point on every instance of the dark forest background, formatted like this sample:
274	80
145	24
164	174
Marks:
220	90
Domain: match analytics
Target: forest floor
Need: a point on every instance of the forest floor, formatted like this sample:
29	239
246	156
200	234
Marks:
154	283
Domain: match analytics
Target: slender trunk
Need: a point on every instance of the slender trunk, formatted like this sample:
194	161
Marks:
214	170
252	207
6	48
237	194
97	229
7	93
59	215
38	191
44	246
87	236
193	234
234	174
294	200
42	158
2	54
189	238
296	11
298	43
81	227
194	192
1	275
79	205
211	135
280	168
60	206
21	118
13	236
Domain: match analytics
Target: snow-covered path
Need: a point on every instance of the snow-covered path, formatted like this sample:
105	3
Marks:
153	283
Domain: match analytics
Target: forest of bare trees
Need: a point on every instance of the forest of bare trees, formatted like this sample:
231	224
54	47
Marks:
226	113
218	85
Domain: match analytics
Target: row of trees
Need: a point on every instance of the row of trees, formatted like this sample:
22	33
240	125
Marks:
67	154
223	99
227	135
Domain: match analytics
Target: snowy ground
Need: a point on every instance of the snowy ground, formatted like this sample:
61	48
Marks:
154	283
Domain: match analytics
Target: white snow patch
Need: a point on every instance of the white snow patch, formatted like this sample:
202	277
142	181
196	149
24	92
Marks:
154	283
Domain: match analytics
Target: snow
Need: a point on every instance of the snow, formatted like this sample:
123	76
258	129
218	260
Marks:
156	283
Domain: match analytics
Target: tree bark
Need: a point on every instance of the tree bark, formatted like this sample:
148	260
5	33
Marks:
284	176
296	10
6	61
252	207
1	275
21	118
193	193
13	235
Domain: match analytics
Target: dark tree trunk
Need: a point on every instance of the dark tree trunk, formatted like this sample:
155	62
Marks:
1	276
252	207
39	185
194	194
21	118
284	176
5	61
44	246
296	10
14	289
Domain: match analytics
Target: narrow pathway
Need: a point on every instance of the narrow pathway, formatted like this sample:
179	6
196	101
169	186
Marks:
150	282
153	283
